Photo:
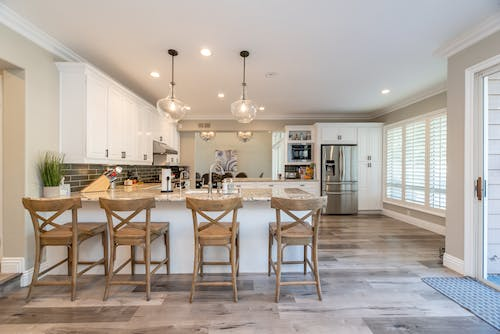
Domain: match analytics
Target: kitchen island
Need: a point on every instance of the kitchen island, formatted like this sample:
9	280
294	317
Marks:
254	218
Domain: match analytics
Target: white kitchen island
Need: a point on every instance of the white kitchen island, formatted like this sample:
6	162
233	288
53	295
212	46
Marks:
254	220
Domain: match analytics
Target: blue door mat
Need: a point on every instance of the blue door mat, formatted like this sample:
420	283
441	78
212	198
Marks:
477	298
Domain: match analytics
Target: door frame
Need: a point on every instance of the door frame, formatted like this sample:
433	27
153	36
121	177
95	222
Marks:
472	231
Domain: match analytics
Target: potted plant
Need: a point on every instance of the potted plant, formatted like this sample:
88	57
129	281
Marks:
51	173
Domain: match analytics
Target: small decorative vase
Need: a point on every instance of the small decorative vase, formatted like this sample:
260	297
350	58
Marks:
51	191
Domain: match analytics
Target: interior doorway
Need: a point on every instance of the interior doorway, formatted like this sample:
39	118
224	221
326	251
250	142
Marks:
487	177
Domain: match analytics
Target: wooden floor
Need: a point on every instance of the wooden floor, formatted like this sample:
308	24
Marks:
371	269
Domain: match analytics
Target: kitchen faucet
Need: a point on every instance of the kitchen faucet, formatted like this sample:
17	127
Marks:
213	166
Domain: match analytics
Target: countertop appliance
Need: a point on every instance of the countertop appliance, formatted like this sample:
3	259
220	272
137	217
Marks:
166	180
339	178
300	152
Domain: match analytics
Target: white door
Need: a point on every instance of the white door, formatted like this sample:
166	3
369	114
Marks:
487	171
97	119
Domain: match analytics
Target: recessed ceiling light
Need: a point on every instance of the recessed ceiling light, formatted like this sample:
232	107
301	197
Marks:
154	74
261	108
206	52
188	108
385	91
220	95
270	75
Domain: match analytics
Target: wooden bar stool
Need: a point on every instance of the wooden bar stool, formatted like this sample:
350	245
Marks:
133	234
298	232
214	232
71	235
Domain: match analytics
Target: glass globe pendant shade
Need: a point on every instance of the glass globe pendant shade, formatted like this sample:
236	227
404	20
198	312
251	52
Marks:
173	107
244	110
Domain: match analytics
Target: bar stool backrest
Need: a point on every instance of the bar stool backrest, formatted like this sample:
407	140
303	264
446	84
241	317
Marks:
290	207
58	206
136	206
200	207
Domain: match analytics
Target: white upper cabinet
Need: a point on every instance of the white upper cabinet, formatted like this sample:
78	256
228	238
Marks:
101	121
97	120
335	133
370	143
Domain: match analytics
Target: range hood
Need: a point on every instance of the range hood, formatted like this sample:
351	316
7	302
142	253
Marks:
162	148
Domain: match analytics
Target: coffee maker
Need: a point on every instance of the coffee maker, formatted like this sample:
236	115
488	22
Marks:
166	180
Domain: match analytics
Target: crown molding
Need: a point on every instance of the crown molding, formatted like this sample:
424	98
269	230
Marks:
470	37
438	89
14	21
306	116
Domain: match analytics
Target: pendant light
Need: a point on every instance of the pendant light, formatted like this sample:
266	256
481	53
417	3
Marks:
244	110
207	135
170	105
244	136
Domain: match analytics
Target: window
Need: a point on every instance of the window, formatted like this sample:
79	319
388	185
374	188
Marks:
415	162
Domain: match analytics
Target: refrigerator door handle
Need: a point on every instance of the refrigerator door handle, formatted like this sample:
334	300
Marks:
339	193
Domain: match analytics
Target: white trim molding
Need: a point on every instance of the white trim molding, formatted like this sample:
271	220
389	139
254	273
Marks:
12	265
470	37
453	263
14	21
303	116
28	274
426	225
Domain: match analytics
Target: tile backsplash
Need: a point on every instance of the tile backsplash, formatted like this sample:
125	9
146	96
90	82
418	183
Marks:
78	176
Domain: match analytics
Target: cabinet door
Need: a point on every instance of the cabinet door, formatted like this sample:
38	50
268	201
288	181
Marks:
115	124
97	94
130	131
369	186
146	136
370	144
338	135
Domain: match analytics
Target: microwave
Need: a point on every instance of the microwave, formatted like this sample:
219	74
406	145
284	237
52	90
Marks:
300	152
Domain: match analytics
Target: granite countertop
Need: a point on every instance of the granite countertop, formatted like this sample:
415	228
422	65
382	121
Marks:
252	179
153	190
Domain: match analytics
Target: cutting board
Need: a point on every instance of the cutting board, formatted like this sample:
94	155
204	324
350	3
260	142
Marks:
100	184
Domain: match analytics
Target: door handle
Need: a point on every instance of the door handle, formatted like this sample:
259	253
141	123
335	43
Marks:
479	188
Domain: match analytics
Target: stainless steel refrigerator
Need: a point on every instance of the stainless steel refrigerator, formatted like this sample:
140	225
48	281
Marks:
339	178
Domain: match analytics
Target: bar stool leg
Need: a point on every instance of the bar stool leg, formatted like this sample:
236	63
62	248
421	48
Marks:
166	237
233	273
201	261
104	240
132	259
110	271
305	259
36	269
74	266
238	254
278	272
316	269
195	270
269	253
147	260
68	250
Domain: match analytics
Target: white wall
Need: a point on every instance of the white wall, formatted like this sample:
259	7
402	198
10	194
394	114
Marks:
254	157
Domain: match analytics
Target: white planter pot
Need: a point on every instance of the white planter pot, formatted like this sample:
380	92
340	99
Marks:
51	191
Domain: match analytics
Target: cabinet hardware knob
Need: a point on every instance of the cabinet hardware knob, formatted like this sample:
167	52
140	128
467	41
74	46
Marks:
106	153
161	138
145	157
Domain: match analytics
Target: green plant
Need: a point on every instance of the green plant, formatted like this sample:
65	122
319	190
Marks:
50	168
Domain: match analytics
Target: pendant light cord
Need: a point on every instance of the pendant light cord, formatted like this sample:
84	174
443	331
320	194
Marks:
172	83
244	84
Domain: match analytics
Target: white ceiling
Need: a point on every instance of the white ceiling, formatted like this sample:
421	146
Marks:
331	56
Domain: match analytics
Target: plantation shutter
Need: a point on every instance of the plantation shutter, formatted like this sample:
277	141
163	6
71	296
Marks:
415	162
394	163
437	162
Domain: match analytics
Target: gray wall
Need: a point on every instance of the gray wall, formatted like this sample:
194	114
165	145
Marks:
37	125
254	157
457	64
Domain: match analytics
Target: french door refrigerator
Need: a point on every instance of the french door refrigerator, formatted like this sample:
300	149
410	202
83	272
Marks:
339	178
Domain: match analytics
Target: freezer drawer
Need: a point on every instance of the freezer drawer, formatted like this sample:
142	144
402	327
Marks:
340	203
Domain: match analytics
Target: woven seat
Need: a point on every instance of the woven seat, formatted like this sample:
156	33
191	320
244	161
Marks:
214	232
299	232
50	233
133	234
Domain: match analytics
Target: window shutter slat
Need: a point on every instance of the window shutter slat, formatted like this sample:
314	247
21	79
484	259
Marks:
437	166
394	163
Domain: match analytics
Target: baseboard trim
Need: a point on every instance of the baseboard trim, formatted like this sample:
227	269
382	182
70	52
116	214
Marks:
16	265
436	228
454	263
